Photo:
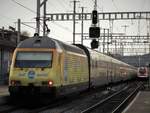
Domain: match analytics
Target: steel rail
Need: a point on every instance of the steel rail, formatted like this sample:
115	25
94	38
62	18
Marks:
102	101
93	107
126	101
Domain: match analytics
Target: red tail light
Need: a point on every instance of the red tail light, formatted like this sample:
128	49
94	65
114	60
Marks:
12	82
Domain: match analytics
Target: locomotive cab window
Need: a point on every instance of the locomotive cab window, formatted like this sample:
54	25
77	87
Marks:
33	59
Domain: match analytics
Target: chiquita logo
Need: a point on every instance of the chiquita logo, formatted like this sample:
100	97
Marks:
31	74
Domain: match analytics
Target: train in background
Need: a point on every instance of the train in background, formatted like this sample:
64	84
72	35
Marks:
45	65
143	73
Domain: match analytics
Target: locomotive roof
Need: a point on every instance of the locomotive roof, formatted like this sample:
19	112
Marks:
46	42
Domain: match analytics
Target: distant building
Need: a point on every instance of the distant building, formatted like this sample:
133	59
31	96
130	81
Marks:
8	42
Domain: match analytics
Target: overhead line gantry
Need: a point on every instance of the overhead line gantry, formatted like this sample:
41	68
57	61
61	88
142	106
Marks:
101	16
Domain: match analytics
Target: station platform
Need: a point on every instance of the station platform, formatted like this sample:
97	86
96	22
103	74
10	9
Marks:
4	90
140	104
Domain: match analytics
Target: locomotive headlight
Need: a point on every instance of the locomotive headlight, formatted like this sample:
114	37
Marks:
14	82
50	83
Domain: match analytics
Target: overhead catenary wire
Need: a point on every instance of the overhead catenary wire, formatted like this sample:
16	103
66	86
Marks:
34	13
65	28
63	4
53	22
53	6
29	26
60	6
143	4
4	16
97	5
8	18
115	5
24	6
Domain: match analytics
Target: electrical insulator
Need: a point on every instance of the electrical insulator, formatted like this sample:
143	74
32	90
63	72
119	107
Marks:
94	17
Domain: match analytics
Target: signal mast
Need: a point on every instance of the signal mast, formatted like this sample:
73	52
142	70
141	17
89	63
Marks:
94	30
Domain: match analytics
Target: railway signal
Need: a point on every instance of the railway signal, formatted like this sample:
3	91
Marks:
94	17
94	44
94	32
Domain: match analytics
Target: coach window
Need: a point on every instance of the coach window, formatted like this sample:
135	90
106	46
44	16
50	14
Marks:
96	64
92	64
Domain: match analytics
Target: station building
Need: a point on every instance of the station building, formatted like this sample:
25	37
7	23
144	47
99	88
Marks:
8	42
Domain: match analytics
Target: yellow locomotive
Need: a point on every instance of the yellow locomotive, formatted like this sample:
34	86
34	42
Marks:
46	65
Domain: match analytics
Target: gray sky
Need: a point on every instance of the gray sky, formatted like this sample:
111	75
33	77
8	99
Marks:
10	12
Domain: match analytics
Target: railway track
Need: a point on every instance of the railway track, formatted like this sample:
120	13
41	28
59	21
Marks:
22	104
77	104
8	108
80	103
31	105
5	107
116	102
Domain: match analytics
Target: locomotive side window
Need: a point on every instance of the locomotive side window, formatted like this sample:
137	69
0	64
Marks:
33	59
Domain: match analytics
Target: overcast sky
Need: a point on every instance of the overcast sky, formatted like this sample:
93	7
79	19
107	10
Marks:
10	12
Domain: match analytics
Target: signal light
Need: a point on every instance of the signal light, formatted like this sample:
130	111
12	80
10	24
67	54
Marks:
15	82
94	17
94	32
12	82
94	44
